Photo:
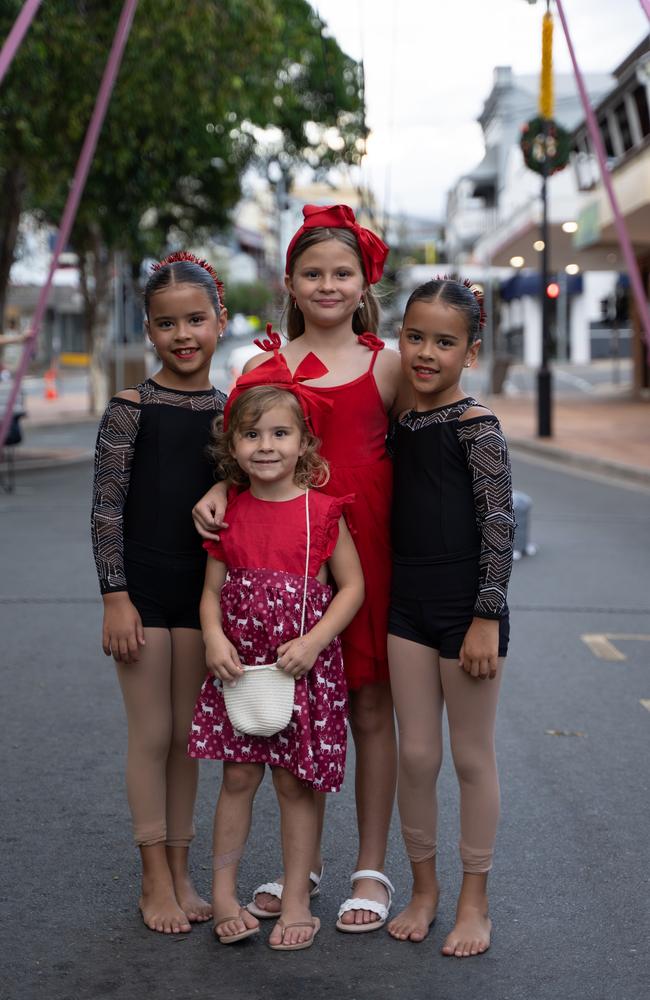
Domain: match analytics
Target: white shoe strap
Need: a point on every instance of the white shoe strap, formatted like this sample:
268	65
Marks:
364	904
273	889
377	876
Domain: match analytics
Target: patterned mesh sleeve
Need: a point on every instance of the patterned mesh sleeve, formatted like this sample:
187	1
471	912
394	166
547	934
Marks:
487	459
118	430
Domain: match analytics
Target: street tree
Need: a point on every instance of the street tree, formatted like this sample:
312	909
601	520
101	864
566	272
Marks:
199	89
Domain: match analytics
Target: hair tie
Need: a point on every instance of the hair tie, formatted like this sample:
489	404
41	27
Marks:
373	250
184	255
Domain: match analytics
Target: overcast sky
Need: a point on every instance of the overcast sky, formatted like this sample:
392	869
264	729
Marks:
429	67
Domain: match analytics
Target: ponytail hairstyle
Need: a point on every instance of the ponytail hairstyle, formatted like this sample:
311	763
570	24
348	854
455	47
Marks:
366	316
458	293
312	470
184	268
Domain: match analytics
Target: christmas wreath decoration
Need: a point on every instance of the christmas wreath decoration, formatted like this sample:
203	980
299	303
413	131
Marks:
556	152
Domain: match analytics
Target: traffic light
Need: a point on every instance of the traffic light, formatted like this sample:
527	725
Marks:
552	290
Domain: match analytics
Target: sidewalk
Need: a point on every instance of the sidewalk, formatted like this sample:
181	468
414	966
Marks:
601	433
605	434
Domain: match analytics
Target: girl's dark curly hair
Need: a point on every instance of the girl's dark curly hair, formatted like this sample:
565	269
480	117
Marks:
312	470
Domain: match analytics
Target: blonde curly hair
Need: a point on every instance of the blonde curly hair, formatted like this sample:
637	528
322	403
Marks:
312	470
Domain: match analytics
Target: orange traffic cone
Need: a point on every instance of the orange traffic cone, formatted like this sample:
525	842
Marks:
51	391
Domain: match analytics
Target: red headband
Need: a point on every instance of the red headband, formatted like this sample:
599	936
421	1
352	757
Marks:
276	372
373	250
184	255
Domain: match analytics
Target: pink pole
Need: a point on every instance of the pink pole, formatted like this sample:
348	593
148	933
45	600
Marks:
72	204
623	236
16	35
646	6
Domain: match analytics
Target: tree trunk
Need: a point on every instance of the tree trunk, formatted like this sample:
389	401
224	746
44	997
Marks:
95	278
12	190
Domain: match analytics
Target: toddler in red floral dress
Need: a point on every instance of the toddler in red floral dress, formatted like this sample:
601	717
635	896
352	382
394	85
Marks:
268	571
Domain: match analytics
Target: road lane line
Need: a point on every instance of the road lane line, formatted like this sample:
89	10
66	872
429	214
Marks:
602	648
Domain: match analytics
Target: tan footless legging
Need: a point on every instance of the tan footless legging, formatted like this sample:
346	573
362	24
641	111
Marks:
422	683
159	693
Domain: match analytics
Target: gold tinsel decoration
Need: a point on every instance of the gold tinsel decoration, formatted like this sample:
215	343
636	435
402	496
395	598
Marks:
546	77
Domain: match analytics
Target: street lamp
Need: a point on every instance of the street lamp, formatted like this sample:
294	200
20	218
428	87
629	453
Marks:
546	147
544	381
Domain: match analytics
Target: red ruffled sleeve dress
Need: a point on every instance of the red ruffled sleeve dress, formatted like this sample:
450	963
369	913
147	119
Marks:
353	440
264	550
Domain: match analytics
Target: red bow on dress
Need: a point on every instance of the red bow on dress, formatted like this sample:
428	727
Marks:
277	373
373	250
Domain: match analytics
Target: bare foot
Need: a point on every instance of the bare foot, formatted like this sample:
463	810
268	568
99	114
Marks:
195	908
161	912
366	888
413	923
470	934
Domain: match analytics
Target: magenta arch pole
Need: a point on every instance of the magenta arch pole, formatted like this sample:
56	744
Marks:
16	35
72	204
623	236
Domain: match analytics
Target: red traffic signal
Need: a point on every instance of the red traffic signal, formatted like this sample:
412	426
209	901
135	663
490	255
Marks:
552	289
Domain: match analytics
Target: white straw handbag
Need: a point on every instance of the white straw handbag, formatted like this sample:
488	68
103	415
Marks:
261	701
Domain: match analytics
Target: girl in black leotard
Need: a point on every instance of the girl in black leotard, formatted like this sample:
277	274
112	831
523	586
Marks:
453	530
150	469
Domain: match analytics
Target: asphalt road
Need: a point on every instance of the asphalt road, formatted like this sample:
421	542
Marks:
569	889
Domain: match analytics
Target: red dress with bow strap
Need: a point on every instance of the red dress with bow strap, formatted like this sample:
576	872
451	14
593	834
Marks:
353	440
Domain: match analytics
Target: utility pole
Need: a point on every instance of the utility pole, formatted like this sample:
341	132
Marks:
544	375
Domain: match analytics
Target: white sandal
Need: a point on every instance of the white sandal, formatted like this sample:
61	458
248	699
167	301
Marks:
380	909
275	889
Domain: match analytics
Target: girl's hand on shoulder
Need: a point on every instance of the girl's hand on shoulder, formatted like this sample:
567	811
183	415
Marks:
208	513
479	654
222	659
298	656
122	631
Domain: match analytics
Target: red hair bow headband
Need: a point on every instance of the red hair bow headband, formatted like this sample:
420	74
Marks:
276	372
373	250
184	255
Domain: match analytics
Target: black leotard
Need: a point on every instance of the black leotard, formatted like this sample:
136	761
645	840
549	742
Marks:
150	469
452	519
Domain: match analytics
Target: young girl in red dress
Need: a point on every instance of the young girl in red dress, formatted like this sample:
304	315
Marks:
331	264
265	601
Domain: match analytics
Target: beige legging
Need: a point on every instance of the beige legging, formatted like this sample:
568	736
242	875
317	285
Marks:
422	683
159	693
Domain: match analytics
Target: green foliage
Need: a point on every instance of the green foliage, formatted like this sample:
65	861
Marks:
251	298
198	83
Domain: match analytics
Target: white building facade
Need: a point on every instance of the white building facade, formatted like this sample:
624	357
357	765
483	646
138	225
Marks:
494	216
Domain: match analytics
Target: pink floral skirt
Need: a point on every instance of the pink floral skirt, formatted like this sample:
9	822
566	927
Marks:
261	609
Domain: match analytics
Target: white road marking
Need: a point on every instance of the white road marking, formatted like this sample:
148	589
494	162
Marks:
603	648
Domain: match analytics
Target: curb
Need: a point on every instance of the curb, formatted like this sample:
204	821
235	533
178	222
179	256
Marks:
48	460
60	420
586	463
